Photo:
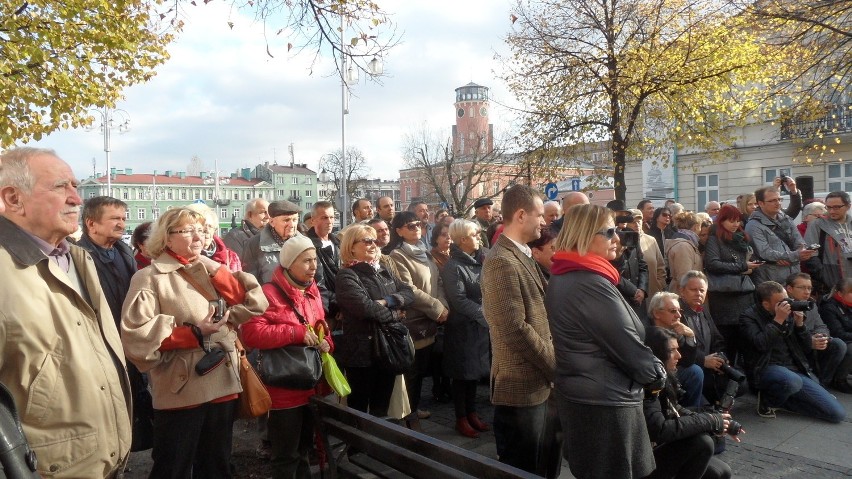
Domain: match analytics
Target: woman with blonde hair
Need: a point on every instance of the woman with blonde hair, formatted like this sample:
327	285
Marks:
368	295
682	251
178	325
602	364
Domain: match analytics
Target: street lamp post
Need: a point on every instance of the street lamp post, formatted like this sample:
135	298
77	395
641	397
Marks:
154	194
108	122
348	76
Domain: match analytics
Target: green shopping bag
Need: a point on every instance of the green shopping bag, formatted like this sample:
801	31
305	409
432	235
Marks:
333	376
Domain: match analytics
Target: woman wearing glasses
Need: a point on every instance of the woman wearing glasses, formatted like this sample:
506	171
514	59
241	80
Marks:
367	294
601	362
170	329
417	269
661	227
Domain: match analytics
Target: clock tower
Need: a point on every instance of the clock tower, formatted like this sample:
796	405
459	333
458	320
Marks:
472	134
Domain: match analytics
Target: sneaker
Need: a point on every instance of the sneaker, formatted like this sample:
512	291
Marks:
763	410
423	414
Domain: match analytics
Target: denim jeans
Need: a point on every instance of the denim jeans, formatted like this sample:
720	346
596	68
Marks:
825	362
691	378
519	435
798	393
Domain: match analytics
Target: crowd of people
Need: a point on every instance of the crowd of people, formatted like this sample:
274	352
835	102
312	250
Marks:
610	337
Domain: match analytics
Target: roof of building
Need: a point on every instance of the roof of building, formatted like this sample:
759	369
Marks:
145	179
298	169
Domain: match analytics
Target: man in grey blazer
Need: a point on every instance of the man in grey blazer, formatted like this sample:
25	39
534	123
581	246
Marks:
523	361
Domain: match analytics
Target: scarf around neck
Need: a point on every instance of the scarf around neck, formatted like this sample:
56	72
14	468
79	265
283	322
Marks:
415	251
567	261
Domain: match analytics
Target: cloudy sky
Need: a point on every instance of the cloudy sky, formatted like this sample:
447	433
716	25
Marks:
221	97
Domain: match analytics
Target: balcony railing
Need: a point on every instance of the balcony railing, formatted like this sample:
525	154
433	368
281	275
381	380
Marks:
222	201
294	199
837	120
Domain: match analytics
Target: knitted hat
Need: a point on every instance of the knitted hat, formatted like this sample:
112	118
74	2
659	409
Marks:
292	248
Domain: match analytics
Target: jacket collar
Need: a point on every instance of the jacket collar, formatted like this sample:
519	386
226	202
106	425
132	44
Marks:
165	264
528	263
462	257
19	245
759	215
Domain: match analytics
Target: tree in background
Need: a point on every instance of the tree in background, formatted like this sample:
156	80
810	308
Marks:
641	74
458	179
58	59
356	171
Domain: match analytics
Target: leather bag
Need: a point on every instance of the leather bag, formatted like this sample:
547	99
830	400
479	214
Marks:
729	283
17	460
393	348
254	400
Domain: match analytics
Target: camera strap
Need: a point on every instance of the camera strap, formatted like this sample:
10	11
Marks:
201	290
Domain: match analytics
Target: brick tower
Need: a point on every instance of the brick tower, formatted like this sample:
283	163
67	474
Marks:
472	134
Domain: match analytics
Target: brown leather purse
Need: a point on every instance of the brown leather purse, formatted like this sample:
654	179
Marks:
254	400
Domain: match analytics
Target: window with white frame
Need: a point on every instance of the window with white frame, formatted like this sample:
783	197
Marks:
769	175
155	213
309	206
210	194
125	195
223	213
237	212
140	213
91	194
170	194
496	187
840	177
126	214
407	192
706	189
308	193
196	194
183	194
295	180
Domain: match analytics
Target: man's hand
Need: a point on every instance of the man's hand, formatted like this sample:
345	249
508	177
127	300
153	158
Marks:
639	296
799	318
683	330
806	254
790	184
782	312
713	362
819	341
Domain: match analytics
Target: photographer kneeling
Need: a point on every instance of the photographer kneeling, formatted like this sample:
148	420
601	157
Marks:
683	447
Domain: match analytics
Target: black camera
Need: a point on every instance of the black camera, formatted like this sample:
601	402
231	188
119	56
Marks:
219	309
734	427
729	372
784	179
628	238
800	305
726	402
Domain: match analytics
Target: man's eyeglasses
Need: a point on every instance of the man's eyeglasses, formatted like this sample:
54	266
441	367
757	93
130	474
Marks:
414	225
835	207
804	287
607	233
776	200
189	232
367	241
674	310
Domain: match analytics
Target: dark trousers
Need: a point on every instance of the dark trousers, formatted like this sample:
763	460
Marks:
193	443
371	390
464	397
732	335
414	376
826	362
520	436
291	434
689	458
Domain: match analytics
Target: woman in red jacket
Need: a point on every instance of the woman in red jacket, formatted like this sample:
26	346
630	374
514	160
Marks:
292	286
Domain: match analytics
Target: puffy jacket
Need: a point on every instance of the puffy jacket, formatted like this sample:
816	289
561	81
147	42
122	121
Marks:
598	342
769	247
668	421
62	361
837	317
765	338
428	290
225	256
279	326
358	288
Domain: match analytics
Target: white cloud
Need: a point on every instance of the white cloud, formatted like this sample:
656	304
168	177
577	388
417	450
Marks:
221	96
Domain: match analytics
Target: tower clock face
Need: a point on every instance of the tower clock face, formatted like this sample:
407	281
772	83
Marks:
460	112
483	111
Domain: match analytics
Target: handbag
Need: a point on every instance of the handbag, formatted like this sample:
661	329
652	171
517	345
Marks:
729	283
291	367
399	405
254	400
393	348
330	371
213	358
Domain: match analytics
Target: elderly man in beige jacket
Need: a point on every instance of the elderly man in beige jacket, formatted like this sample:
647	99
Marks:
60	352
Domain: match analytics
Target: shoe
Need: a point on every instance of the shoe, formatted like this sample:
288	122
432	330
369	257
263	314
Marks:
423	414
413	423
464	428
477	423
264	451
763	410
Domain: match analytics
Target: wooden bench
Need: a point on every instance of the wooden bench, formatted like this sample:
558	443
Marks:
386	450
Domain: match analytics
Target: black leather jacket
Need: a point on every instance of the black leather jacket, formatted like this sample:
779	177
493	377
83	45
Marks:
16	457
768	342
358	288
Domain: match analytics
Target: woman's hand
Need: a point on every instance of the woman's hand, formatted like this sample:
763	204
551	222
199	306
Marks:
382	302
443	317
208	327
324	346
726	422
311	338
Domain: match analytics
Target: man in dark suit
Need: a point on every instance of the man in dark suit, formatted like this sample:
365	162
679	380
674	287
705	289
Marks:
523	360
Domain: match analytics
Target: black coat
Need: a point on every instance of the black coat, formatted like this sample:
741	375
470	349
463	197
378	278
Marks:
667	421
837	317
763	337
114	275
466	337
358	288
329	259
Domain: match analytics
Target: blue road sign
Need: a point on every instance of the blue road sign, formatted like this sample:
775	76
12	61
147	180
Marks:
575	184
551	191
201	202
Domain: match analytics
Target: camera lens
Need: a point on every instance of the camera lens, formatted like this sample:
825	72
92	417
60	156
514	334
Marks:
734	428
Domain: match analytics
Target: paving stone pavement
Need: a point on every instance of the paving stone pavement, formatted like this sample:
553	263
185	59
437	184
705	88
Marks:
789	446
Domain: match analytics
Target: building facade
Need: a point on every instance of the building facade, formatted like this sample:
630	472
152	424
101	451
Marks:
294	182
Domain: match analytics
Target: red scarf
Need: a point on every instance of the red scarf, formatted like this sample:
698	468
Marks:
141	261
178	257
566	261
839	297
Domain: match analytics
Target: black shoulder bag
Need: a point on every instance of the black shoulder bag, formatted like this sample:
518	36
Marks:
291	367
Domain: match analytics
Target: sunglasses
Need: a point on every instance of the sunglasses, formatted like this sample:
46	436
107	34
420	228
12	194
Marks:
414	225
667	215
607	233
367	241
